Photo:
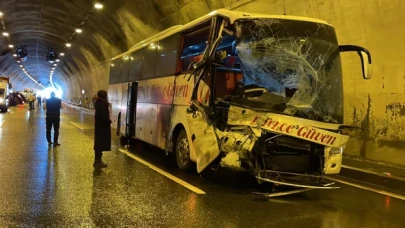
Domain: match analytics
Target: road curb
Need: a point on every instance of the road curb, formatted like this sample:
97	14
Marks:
374	178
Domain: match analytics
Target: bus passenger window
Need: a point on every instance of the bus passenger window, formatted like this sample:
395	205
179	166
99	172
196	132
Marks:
149	61
167	56
195	43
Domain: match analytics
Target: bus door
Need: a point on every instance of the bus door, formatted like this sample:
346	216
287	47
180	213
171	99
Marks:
131	110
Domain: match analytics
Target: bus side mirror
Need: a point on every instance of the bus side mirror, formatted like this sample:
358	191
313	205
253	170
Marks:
365	58
365	64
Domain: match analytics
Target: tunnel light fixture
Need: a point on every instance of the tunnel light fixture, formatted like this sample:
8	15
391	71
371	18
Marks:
10	46
55	64
61	54
57	60
98	5
18	61
53	68
21	65
15	55
68	44
5	34
1	13
79	30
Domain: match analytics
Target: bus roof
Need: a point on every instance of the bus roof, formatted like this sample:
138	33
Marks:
232	15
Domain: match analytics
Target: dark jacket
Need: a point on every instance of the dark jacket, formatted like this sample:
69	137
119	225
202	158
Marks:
53	106
102	129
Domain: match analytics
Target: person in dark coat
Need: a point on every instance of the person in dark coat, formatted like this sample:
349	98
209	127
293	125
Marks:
102	129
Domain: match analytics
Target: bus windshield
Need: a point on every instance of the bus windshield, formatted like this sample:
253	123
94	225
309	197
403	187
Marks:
294	67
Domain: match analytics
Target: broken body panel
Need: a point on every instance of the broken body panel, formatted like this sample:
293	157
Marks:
252	93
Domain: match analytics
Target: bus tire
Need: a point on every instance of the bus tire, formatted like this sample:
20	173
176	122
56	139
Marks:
182	152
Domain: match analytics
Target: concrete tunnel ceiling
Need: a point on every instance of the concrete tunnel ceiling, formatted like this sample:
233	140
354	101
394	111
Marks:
106	32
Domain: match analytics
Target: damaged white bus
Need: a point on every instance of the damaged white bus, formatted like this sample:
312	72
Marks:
253	92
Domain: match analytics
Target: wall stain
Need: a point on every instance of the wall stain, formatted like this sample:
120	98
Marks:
365	124
354	118
396	109
396	144
382	131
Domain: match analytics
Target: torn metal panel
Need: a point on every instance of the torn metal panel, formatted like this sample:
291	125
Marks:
203	138
237	145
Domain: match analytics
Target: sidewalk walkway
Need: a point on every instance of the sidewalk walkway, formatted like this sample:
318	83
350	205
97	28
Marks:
375	168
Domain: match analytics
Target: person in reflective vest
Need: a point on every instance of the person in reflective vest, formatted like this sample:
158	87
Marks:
52	107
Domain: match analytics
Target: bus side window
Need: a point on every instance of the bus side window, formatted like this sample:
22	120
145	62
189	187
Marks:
149	61
194	45
167	55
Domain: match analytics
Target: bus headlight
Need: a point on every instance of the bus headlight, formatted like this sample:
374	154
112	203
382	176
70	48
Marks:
336	150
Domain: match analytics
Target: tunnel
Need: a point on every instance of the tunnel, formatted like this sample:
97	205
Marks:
106	32
71	46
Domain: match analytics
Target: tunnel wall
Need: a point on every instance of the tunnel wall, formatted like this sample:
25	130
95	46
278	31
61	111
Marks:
377	104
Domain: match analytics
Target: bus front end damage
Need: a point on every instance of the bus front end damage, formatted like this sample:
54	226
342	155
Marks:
283	150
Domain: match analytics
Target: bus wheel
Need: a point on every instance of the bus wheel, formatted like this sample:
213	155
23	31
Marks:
183	152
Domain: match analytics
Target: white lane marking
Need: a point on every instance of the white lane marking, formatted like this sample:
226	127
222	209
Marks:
164	173
382	192
76	125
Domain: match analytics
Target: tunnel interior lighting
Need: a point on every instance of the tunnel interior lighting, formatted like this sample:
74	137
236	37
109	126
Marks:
55	64
62	54
98	5
68	45
5	34
53	68
57	60
10	46
79	30
1	13
15	55
21	65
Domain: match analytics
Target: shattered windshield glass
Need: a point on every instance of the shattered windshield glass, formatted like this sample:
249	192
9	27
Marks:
293	68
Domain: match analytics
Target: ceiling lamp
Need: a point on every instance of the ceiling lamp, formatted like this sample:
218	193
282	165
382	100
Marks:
1	14
98	5
68	45
55	64
57	60
15	55
62	54
79	30
10	46
5	34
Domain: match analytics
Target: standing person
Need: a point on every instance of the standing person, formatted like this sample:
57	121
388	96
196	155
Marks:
52	106
102	129
39	99
30	99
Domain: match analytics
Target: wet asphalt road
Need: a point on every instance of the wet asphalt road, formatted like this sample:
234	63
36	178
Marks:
47	187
